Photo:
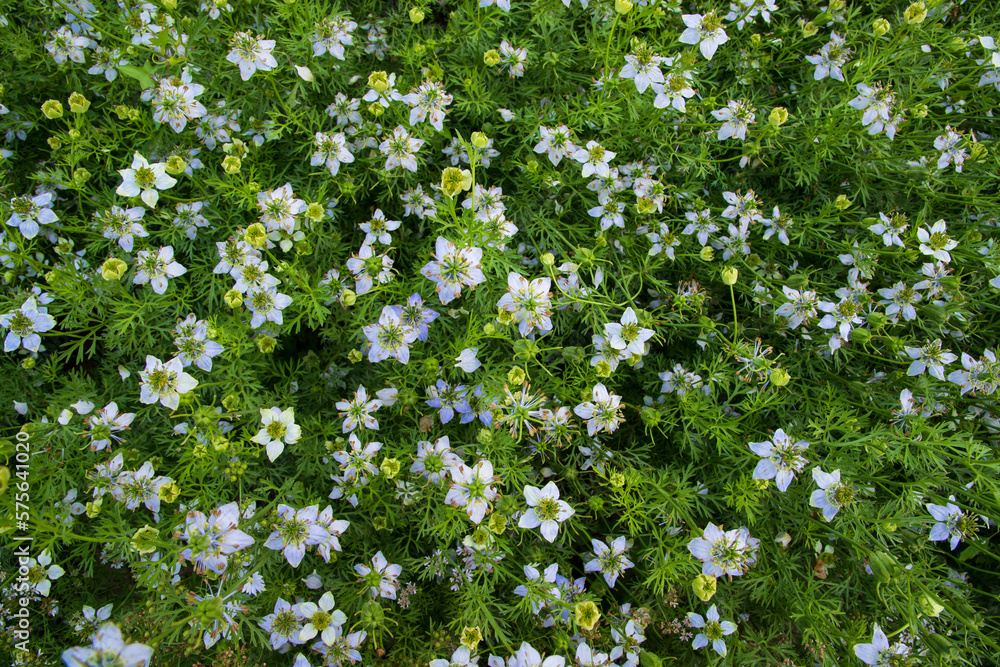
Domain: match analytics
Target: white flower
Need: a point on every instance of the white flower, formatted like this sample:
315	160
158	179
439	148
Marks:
331	151
738	115
545	510
319	619
595	159
146	179
400	150
704	30
251	52
24	324
529	302
164	382
831	495
643	69
472	489
157	268
452	268
935	241
604	413
467	361
711	631
278	429
29	212
780	459
628	335
108	648
879	654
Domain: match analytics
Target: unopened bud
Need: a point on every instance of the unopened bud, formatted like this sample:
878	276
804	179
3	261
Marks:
78	103
729	275
232	164
255	235
379	81
491	57
480	140
416	14
778	116
113	269
52	109
880	27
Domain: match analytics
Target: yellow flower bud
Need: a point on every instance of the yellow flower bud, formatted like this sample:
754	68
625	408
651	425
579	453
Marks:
113	269
645	206
704	587
516	375
603	368
623	6
880	27
455	180
52	109
915	13
617	480
169	492
480	140
255	235
548	259
232	164
491	57
354	356
729	275
28	363
78	103
706	253
233	298
416	14
315	212
94	508
390	467
348	297
175	165
842	202
74	135
375	109
780	377
144	539
379	81
170	5
54	142
778	116
265	344
305	73
80	176
497	523
587	614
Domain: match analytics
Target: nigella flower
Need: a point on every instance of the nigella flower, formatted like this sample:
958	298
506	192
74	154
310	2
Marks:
24	324
389	338
731	552
331	152
321	619
704	30
935	241
278	428
156	268
462	657
877	102
103	425
931	358
428	102
416	316
979	375
454	267
512	58
210	539
296	530
284	625
400	150
358	461
434	461
528	656
540	590
832	494
144	180
334	529
676	89
627	335
266	304
890	228
278	208
92	620
29	212
610	561
368	267
643	68
879	653
712	630
331	35
953	524
164	382
830	59
603	413
358	411
41	573
899	300
595	159
382	578
545	510
700	223
448	399
341	651
108	648
472	489
738	115
251	52
529	303
378	228
781	459
193	345
140	487
556	143
122	225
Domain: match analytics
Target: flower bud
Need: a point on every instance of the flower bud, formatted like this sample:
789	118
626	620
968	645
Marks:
94	508
860	336
777	117
27	364
455	180
645	206
603	368
587	613
348	297
915	13
80	177
144	539
617	480
175	165
233	298
170	5
491	57
706	253
379	81
471	636
390	467
54	142
78	103
623	6
255	235
375	109
416	14
548	259
305	73
52	109
842	202
880	27
516	375
808	28
729	275
315	212
265	344
704	586
113	269
354	356
74	135
780	377
784	539
232	164
168	493
480	140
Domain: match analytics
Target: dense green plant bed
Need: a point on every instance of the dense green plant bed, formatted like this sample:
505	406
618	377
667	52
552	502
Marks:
515	333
